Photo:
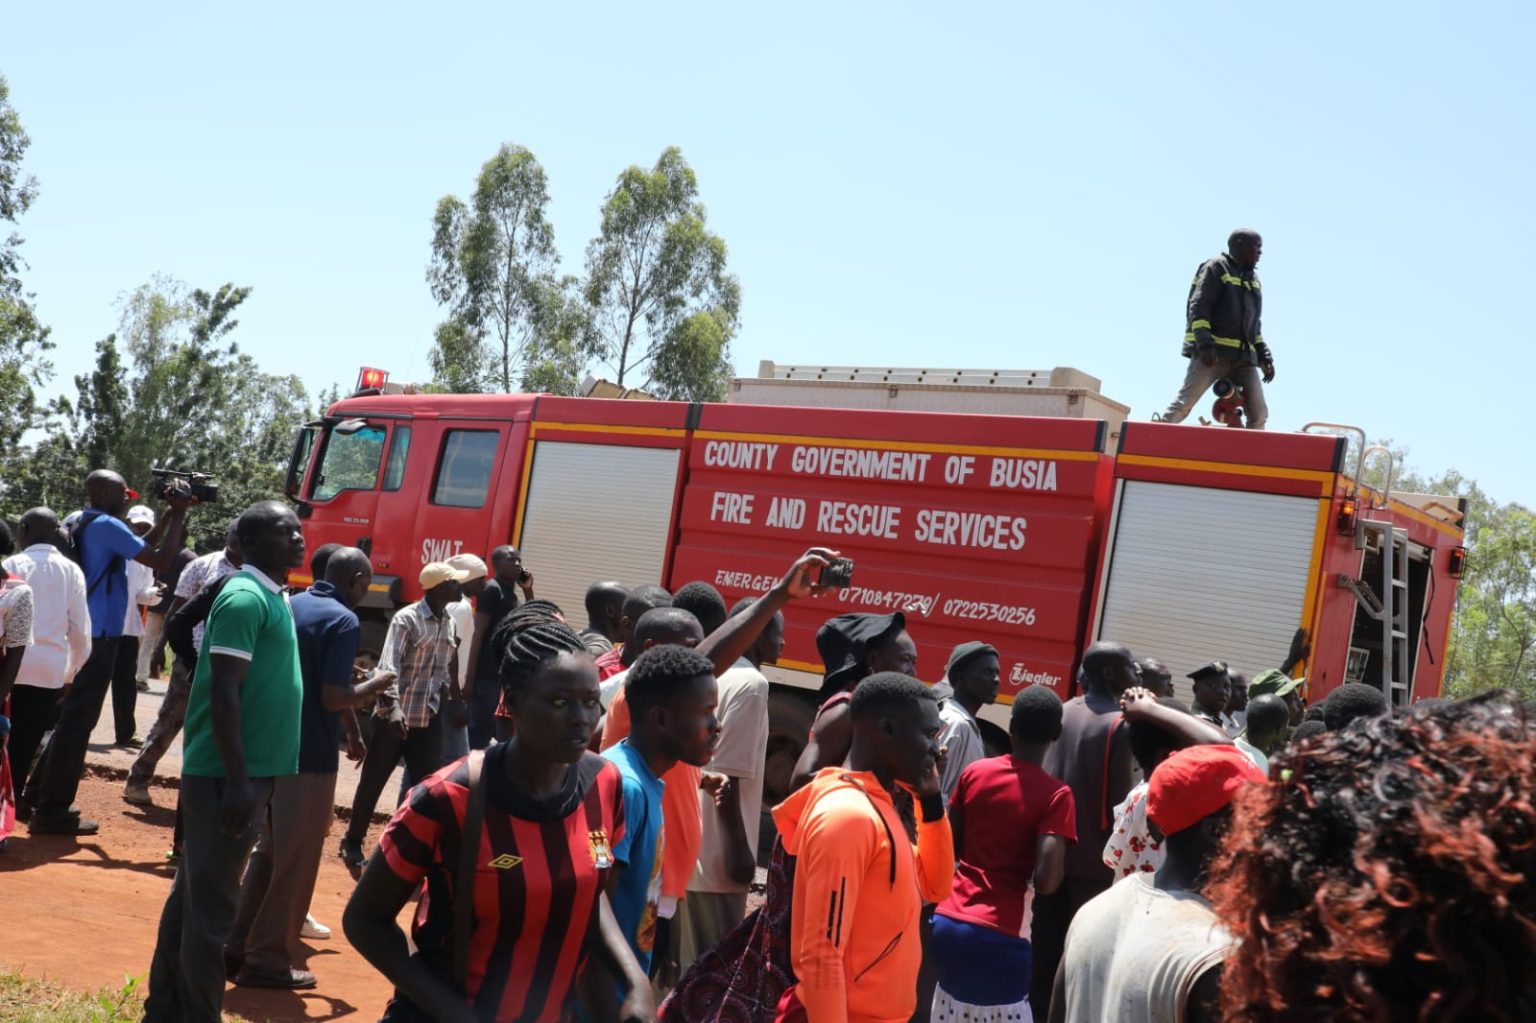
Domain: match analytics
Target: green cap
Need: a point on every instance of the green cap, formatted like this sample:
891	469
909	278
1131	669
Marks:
1274	682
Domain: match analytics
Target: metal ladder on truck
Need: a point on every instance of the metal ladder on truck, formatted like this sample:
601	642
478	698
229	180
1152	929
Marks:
1391	610
1384	601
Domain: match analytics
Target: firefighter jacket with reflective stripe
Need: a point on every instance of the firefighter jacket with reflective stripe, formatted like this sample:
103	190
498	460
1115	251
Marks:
1224	307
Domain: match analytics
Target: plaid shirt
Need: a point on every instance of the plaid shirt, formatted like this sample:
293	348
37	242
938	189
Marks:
422	649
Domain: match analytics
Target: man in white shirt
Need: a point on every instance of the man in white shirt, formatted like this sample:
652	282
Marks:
974	675
142	593
717	892
1151	947
456	722
61	631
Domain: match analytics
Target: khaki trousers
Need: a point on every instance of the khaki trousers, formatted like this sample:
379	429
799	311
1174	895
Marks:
1199	378
280	876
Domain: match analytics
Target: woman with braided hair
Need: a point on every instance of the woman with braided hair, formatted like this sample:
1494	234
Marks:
547	815
1391	874
531	612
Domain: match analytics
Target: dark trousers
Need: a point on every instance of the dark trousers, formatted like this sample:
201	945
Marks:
186	976
33	713
125	688
54	782
482	712
1053	914
420	748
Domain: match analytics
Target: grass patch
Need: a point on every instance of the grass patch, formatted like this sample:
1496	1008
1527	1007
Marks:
24	1000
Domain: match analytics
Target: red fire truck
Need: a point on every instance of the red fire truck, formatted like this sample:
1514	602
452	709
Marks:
1187	543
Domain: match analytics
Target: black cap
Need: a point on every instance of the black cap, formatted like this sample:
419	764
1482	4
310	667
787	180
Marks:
967	651
1206	670
844	643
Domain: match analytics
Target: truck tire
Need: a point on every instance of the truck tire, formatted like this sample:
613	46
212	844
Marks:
791	712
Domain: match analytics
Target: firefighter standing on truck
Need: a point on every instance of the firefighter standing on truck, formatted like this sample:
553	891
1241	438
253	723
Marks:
1223	338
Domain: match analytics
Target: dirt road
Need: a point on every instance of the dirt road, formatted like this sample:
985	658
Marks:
84	913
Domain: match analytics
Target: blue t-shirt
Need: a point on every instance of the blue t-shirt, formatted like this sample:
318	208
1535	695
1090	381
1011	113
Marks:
639	890
106	545
328	637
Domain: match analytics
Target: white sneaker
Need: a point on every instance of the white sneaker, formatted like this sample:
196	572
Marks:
313	929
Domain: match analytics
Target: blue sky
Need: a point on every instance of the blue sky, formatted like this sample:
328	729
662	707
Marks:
1008	185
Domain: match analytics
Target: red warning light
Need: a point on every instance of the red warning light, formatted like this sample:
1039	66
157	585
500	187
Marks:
1349	509
1458	562
370	379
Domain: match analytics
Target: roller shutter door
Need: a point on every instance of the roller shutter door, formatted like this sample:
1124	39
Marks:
1197	574
595	512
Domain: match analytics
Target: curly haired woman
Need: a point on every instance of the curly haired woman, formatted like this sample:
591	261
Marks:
1392	877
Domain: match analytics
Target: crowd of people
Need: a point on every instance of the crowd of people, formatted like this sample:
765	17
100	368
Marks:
579	826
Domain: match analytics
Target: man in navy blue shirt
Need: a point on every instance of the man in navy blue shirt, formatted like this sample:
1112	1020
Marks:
280	876
105	545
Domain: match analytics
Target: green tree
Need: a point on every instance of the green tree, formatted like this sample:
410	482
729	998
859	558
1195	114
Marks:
493	269
662	303
185	398
24	343
555	363
99	414
1492	644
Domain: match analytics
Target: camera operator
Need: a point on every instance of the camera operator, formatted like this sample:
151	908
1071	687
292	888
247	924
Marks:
105	545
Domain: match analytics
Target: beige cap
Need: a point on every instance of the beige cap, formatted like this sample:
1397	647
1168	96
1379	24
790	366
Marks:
471	564
439	572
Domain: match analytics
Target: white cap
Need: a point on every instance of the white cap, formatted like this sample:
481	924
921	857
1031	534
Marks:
141	513
439	572
471	564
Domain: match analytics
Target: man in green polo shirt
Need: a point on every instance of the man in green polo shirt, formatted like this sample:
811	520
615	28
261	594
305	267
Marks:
242	731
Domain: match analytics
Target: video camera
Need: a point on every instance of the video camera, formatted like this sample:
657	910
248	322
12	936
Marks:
199	484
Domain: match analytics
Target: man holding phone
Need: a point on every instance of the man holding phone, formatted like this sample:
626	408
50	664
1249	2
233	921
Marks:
497	600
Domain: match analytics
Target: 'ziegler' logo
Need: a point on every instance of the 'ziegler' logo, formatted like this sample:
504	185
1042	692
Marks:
1023	676
506	861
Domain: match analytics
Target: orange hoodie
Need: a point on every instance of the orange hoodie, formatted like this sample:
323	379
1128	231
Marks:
859	889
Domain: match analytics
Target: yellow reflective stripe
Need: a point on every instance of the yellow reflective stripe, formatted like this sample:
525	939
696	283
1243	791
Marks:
1239	282
1225	342
1200	325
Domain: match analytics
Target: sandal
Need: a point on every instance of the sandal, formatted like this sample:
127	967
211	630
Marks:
352	857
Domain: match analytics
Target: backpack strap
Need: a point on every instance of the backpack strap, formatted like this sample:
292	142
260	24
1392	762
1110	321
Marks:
464	881
77	535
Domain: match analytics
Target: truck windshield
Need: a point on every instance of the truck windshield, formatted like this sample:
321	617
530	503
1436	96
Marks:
351	461
298	462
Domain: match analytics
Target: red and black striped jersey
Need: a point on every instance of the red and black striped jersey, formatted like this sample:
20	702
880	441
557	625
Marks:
541	867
